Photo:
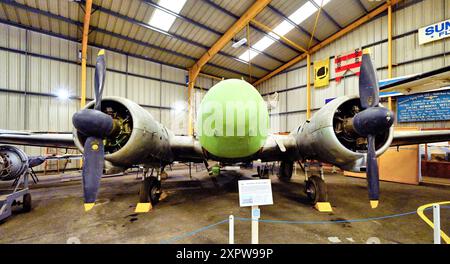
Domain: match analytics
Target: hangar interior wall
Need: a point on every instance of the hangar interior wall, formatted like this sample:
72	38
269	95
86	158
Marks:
408	58
35	68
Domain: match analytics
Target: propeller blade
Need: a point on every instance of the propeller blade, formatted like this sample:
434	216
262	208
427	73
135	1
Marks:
93	159
369	90
94	124
372	172
99	81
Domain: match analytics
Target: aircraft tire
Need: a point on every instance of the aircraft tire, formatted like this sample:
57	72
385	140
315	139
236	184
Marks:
285	171
150	190
316	190
263	172
26	205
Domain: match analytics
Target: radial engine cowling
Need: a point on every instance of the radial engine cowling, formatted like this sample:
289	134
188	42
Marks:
329	136
13	163
136	138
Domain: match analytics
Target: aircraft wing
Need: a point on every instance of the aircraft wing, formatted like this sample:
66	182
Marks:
57	140
276	147
279	147
419	82
419	137
186	149
283	147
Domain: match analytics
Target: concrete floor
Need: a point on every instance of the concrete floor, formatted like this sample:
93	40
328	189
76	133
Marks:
58	215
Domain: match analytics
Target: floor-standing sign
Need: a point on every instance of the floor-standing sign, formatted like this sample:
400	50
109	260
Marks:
255	193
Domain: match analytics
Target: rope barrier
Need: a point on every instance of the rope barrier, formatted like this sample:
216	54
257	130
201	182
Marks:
360	220
193	232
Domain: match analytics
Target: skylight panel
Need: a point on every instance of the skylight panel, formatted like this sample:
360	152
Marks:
248	55
300	15
319	2
174	6
303	13
163	20
263	43
283	28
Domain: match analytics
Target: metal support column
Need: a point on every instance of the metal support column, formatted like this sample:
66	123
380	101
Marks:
308	86
389	49
84	42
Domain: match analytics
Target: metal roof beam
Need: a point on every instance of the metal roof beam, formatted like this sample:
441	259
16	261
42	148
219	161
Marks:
327	15
223	10
298	27
285	39
56	35
257	7
138	42
330	39
172	35
243	21
193	22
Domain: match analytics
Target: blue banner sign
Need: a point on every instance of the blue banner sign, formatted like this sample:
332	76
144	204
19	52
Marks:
434	106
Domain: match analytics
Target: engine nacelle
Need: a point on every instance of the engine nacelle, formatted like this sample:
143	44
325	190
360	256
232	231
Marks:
137	138
329	136
13	163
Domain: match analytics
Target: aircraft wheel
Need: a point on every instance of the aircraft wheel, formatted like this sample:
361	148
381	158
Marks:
26	205
150	190
263	172
285	171
316	190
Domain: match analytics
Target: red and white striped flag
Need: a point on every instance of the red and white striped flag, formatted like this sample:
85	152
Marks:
348	62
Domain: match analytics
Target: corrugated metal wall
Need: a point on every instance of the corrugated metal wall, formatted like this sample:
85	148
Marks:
408	58
34	67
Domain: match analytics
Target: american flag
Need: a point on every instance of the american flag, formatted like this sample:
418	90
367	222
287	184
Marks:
348	62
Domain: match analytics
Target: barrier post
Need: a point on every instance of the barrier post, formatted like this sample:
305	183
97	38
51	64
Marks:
255	227
231	229
437	223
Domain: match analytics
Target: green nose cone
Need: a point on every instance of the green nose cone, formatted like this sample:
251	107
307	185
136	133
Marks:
232	121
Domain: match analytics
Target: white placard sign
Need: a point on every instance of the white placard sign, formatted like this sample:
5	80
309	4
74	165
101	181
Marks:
434	32
255	192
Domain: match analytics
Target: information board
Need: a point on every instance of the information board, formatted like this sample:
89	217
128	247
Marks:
255	192
434	32
433	106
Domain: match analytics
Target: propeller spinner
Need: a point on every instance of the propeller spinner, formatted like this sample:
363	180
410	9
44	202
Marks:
374	120
95	125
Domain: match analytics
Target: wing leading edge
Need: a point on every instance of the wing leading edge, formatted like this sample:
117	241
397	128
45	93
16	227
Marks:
416	83
186	149
60	140
283	147
419	137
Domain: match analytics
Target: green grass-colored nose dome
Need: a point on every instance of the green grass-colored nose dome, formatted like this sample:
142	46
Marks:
232	121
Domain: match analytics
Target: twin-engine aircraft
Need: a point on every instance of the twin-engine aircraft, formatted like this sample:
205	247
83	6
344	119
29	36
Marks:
232	126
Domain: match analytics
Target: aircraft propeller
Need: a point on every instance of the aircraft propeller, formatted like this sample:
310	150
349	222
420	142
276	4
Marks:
95	125
372	121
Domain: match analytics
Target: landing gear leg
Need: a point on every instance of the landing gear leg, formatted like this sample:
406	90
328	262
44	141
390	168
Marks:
263	171
285	171
163	173
316	189
150	190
